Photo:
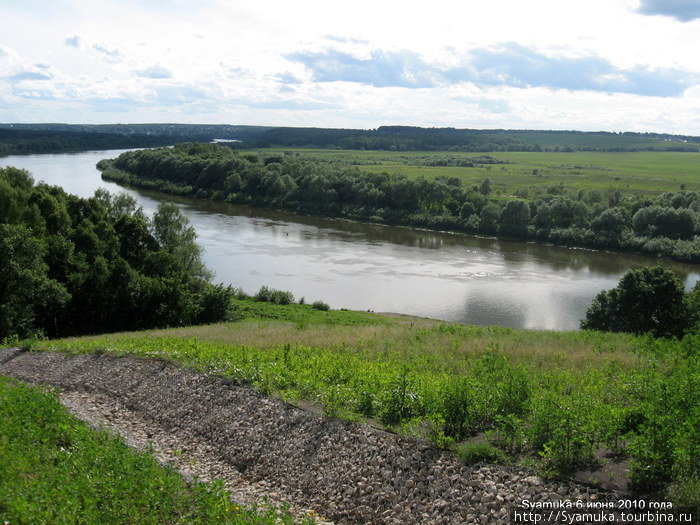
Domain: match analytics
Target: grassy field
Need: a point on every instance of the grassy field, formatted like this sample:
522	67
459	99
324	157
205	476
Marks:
639	172
55	470
551	399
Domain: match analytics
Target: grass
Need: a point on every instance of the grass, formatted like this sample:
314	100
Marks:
636	172
56	470
553	398
302	314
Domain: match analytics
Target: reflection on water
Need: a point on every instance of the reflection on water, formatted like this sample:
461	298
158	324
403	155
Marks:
382	268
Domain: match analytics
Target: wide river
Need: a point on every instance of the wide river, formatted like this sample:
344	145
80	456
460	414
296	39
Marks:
380	268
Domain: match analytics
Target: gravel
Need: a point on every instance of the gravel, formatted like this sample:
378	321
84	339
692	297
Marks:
209	427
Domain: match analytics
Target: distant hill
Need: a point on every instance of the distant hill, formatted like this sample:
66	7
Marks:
56	137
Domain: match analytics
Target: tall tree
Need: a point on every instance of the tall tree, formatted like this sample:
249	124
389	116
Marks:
176	236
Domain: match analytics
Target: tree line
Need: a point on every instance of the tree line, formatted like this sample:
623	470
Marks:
44	138
665	225
413	138
31	141
74	266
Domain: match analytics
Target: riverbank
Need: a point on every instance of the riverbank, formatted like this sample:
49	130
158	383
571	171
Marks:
629	221
454	277
346	471
584	404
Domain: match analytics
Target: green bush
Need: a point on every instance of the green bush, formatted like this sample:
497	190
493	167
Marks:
269	295
320	305
562	430
472	453
462	408
400	399
646	300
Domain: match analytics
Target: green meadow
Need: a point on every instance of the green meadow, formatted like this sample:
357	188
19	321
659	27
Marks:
638	172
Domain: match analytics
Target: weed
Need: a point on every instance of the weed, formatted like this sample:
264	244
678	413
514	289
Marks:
472	453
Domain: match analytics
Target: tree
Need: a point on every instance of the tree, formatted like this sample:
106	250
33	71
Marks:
645	300
488	219
30	301
485	187
176	236
610	223
514	218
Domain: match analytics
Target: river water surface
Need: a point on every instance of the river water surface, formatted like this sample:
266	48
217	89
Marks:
380	268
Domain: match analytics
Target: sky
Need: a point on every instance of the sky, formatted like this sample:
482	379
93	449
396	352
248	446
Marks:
610	65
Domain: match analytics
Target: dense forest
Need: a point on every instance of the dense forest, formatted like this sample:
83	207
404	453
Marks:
44	138
23	142
410	138
76	266
664	225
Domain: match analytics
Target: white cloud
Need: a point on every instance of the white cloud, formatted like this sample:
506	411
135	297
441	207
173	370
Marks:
504	63
154	72
73	41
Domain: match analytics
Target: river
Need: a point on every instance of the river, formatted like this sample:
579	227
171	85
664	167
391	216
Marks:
381	268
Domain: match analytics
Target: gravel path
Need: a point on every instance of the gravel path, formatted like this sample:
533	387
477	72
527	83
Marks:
208	427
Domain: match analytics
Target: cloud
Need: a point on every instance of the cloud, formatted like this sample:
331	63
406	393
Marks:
381	69
289	104
287	78
180	94
116	105
29	75
73	41
154	72
514	65
495	105
509	64
346	40
682	10
111	55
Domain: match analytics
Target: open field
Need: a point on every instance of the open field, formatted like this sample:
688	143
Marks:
639	172
561	401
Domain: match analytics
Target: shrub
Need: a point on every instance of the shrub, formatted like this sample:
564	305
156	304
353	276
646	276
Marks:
461	408
400	400
269	295
561	430
214	304
320	305
646	300
472	453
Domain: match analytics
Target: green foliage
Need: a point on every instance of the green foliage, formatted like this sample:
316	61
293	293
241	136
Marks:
563	430
305	314
176	236
54	469
515	218
268	295
331	184
400	399
320	305
463	408
473	453
646	300
62	257
559	397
